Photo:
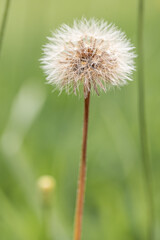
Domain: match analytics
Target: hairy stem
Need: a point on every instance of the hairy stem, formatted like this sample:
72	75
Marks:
143	124
82	174
4	20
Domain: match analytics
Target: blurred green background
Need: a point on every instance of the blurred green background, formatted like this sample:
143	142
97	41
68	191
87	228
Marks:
41	131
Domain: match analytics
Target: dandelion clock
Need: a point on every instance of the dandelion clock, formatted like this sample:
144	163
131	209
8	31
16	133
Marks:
94	56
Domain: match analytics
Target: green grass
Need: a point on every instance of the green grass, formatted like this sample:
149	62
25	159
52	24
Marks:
41	133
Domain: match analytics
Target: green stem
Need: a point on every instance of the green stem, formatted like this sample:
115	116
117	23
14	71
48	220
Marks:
143	124
45	219
4	20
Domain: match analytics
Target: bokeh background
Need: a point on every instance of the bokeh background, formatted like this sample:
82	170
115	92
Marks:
40	132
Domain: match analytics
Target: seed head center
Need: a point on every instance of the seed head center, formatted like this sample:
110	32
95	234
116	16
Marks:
86	60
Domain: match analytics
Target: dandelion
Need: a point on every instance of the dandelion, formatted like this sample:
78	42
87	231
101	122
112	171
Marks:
46	185
93	55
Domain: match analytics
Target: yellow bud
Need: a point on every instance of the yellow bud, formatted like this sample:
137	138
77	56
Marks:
46	184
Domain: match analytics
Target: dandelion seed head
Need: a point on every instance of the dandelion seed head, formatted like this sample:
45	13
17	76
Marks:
91	53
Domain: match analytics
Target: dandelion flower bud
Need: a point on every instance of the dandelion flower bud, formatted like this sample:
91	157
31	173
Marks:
46	184
91	53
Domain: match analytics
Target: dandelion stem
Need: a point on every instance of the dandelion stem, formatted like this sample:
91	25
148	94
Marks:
4	23
143	124
45	218
82	174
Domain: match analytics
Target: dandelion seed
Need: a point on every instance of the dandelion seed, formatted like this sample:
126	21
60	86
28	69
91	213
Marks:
92	53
